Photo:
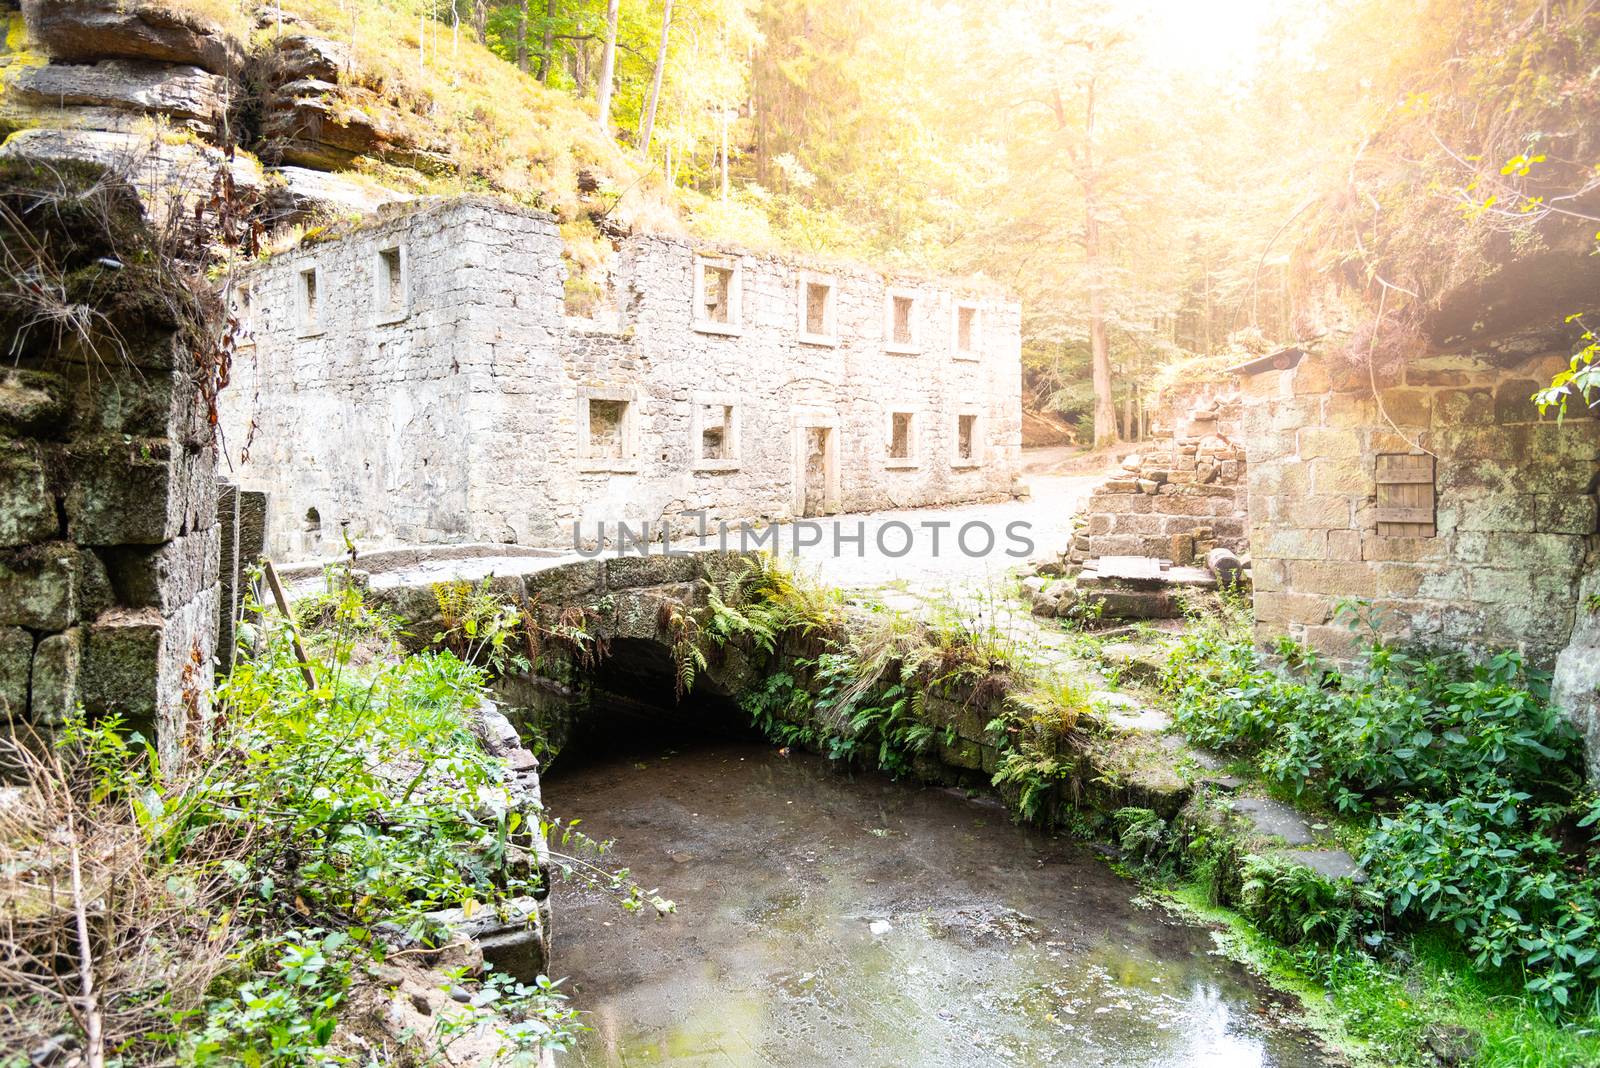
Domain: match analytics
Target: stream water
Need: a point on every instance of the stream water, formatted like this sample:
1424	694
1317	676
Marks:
834	919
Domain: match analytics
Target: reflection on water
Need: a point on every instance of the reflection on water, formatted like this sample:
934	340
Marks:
826	919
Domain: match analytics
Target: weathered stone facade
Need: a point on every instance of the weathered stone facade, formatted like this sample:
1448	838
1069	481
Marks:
108	537
417	380
1493	514
1181	495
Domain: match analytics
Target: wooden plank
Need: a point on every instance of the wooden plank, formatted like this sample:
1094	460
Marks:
1403	514
294	633
1398	477
1403	468
1406	530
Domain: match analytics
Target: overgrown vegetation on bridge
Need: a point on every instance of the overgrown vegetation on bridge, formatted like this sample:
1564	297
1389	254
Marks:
228	910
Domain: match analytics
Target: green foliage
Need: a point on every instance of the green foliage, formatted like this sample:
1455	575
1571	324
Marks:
1581	378
1293	903
479	626
331	819
1494	869
525	1019
1465	775
1402	724
1141	834
285	1014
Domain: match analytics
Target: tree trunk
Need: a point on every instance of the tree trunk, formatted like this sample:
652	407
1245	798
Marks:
655	84
1105	409
608	65
547	42
522	37
724	155
480	19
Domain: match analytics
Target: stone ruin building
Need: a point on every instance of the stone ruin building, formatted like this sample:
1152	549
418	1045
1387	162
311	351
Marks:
1441	502
416	380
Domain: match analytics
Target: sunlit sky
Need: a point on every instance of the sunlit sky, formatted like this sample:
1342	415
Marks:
1221	38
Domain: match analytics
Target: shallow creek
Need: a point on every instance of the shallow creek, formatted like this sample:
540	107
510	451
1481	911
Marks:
834	919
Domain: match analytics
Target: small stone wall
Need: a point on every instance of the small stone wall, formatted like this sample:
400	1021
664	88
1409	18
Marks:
1514	508
108	535
1182	496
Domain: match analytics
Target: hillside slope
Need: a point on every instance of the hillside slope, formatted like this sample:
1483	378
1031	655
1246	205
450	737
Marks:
346	103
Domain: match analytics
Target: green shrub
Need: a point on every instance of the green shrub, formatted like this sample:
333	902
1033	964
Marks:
1465	776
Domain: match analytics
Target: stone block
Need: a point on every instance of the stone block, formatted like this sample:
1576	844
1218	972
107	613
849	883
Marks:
166	576
1293	414
1346	475
51	586
1436	376
1310	376
32	403
1268	576
1507	512
963	754
1463	444
155	404
1349	411
1502	587
1382	439
1328	511
1285	608
655	569
566	583
27	507
1404	550
1133	604
1513	401
1560	513
1446	584
1552	553
56	667
125	493
1408	407
120	665
1466	407
1333	641
1337	579
1399	580
1344	545
1290	544
16	659
231	574
183	673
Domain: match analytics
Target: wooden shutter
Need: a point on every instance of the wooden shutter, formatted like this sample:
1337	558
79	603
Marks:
1406	496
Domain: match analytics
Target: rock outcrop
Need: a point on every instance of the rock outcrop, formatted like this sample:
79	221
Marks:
86	31
155	91
185	94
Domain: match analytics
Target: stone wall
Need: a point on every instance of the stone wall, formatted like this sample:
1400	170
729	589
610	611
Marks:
461	416
1576	686
1514	515
108	537
1183	493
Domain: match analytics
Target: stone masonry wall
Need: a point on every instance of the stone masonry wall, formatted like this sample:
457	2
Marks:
463	419
108	536
1515	509
1181	495
362	416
